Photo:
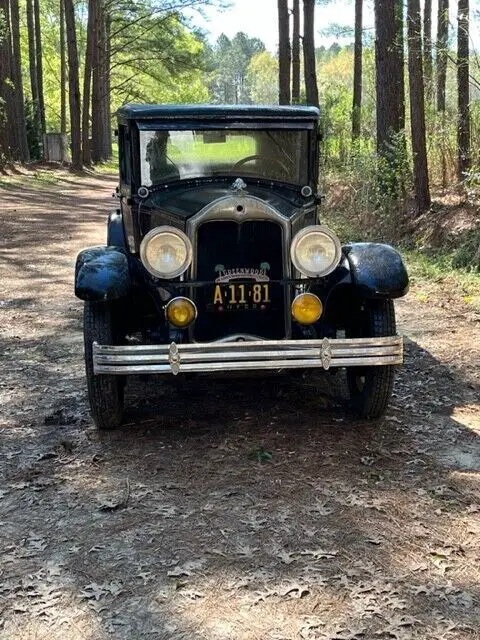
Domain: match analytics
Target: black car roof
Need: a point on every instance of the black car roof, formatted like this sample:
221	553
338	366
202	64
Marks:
217	112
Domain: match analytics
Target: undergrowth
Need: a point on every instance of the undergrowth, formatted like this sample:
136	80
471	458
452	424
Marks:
442	246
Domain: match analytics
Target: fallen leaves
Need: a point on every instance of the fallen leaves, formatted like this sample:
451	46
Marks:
294	590
186	569
319	554
110	505
96	591
333	541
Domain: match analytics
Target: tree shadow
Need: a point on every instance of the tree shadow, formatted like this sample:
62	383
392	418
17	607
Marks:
344	525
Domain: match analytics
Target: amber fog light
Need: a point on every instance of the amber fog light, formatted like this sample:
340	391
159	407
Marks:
307	308
181	312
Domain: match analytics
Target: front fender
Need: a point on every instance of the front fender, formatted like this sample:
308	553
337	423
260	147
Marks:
377	270
101	273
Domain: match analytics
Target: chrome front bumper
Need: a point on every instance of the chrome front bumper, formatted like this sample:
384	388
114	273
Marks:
243	356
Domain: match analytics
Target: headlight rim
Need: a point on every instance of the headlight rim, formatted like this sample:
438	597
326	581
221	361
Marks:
152	234
323	229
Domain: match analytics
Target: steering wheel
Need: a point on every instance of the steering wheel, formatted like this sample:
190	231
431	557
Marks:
256	157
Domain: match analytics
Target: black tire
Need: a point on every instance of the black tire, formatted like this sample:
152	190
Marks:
370	388
105	392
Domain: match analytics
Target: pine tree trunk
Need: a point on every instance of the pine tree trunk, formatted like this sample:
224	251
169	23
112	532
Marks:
87	85
357	72
442	53
463	70
389	70
284	52
63	72
8	137
32	60
296	52
417	106
390	92
97	117
442	57
20	120
39	65
73	85
311	85
108	111
101	135
427	47
400	65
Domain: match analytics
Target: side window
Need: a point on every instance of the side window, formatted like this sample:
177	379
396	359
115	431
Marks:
124	154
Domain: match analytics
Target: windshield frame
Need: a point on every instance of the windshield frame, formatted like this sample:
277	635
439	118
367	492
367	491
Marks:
310	128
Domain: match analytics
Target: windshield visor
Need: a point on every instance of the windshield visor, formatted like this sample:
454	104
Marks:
278	155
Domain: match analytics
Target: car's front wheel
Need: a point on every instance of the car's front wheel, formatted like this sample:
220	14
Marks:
105	392
370	388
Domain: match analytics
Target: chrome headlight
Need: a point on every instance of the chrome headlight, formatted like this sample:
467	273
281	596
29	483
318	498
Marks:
315	251
166	252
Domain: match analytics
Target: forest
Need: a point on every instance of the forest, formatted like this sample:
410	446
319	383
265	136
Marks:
400	104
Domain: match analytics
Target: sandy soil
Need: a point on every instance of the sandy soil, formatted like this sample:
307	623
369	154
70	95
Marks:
225	509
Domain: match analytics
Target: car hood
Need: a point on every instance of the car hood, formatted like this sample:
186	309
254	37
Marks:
184	202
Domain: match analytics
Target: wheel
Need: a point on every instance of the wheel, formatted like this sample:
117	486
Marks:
105	392
370	388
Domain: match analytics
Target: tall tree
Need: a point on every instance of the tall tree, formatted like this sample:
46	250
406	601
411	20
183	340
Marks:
39	64
232	59
400	66
101	141
63	71
108	86
357	71
442	57
20	121
463	70
417	106
442	53
284	53
427	46
32	58
13	135
73	85
389	58
87	84
296	52
8	133
309	61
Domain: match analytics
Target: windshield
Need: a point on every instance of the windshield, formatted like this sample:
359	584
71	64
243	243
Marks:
178	155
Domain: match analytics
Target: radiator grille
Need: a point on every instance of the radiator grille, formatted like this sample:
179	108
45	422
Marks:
229	246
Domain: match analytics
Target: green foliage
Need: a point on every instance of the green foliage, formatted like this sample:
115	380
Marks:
436	265
231	60
155	57
467	255
262	78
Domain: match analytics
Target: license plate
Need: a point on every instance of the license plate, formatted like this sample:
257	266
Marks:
241	296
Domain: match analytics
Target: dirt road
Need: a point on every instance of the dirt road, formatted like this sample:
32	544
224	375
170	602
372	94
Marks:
180	525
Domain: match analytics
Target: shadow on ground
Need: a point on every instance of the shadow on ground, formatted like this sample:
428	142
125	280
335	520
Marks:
179	526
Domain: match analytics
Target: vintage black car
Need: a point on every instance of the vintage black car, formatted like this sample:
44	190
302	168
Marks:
216	261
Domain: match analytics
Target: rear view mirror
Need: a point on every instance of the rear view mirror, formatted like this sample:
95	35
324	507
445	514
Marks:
211	137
